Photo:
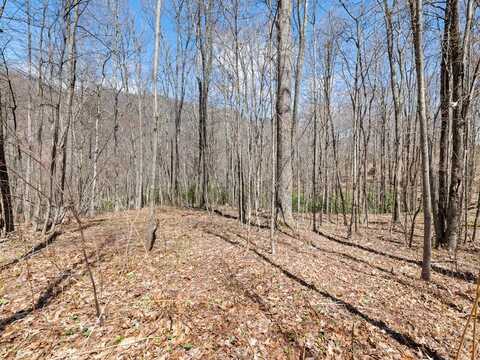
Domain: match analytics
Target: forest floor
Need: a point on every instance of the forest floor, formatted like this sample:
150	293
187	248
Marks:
211	289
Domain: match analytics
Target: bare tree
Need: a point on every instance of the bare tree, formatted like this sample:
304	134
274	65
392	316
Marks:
445	98
283	112
140	97
302	20
397	109
204	39
5	192
28	171
155	125
183	40
458	128
416	13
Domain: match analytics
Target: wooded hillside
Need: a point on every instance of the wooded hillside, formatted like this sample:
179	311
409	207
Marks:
285	152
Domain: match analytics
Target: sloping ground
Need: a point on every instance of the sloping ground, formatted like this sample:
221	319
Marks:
212	290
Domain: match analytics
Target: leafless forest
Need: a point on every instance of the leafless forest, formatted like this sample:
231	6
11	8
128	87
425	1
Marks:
239	179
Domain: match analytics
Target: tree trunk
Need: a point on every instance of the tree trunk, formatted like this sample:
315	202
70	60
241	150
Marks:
445	97
139	191
296	97
458	128
416	10
397	173
27	206
153	185
315	121
7	211
283	112
205	47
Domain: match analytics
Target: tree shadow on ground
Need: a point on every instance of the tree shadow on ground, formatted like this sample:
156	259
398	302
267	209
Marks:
402	339
389	240
88	225
233	217
462	275
250	241
57	287
387	273
53	290
231	281
390	274
50	239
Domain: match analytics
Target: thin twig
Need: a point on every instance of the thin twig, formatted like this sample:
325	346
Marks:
462	339
87	264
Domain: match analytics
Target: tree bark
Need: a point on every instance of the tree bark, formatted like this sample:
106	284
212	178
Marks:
7	208
458	128
302	19
445	97
27	206
153	185
397	114
139	191
205	47
283	112
416	10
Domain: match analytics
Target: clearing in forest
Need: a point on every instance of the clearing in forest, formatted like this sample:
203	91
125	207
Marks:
211	289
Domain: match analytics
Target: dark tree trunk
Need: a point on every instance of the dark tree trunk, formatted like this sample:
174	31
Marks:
458	128
202	143
444	129
7	211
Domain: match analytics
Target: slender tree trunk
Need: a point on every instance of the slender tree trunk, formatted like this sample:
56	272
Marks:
315	121
397	173
154	183
298	81
416	10
205	47
477	214
52	200
95	154
27	206
72	7
139	192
